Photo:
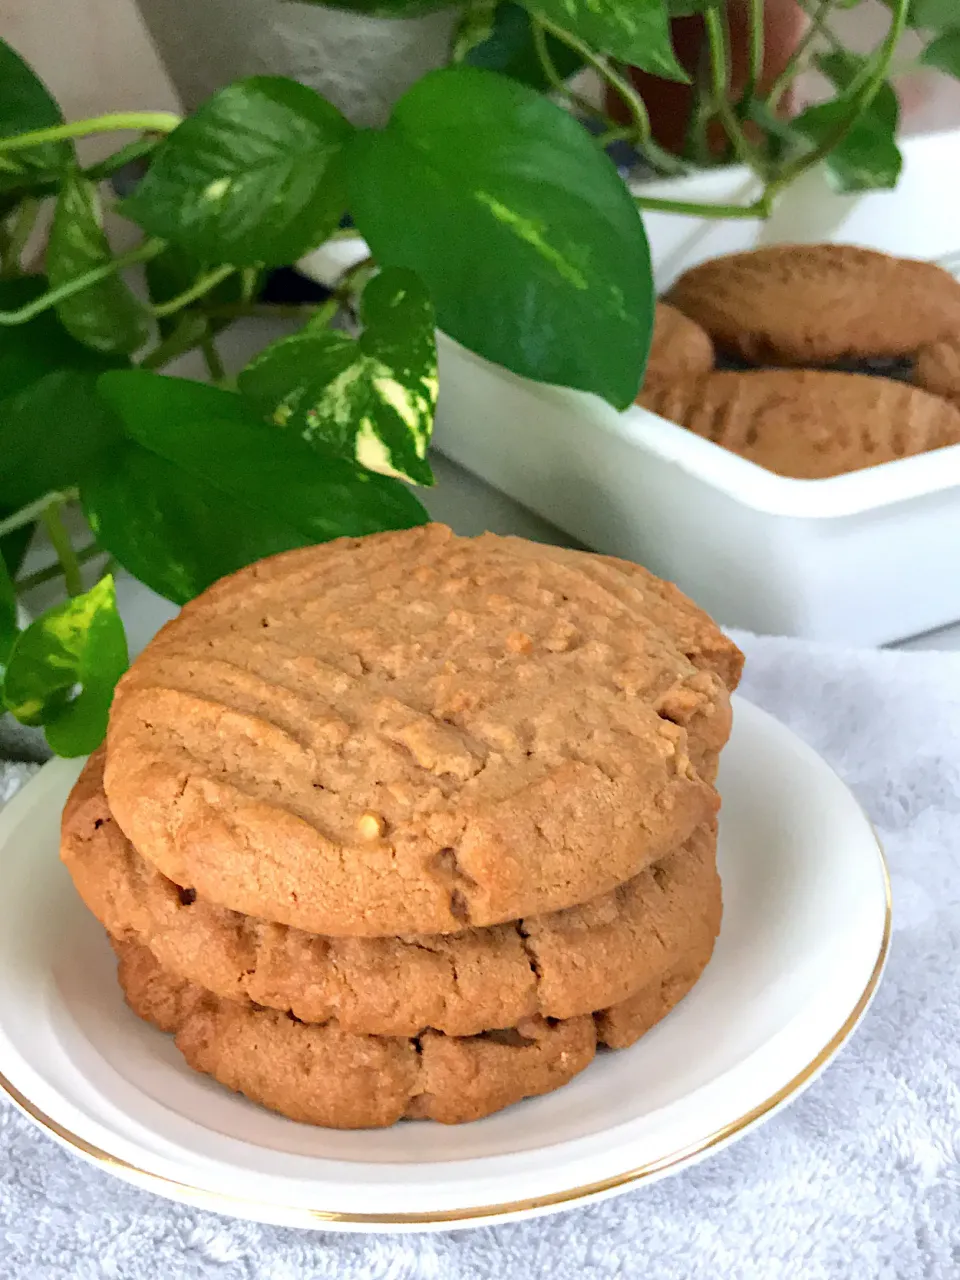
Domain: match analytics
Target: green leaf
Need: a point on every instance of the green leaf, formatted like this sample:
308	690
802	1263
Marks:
523	232
26	105
504	43
932	15
842	68
64	667
371	399
172	531
52	424
203	487
636	31
867	157
106	317
8	616
255	175
944	53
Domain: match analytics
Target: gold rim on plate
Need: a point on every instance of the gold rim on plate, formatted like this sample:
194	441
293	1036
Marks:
221	1202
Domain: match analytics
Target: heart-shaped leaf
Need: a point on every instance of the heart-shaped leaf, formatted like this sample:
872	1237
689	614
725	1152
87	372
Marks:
843	68
255	175
202	487
63	669
106	317
371	399
932	15
42	370
8	616
26	105
636	31
867	157
944	53
523	232
501	39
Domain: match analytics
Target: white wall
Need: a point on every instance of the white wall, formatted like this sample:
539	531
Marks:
94	54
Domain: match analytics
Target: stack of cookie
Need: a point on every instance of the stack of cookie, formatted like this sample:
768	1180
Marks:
841	357
407	825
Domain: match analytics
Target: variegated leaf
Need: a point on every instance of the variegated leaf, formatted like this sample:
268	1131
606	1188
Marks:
371	398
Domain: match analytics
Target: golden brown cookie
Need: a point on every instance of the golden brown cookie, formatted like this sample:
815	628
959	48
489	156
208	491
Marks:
810	423
937	368
818	303
319	1074
561	965
409	733
680	347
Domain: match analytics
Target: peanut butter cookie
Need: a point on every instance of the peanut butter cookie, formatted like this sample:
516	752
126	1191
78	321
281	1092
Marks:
680	347
559	965
411	733
937	368
818	303
810	423
320	1074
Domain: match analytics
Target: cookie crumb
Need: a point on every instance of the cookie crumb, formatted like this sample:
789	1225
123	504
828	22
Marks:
370	825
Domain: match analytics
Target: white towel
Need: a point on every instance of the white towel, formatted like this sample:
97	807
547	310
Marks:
858	1180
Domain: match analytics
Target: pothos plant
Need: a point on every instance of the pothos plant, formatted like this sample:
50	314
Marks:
489	210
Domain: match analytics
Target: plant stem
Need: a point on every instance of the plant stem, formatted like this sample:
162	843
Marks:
720	81
620	133
861	101
263	310
60	541
52	571
34	510
143	253
795	62
632	100
126	155
188	333
693	209
350	274
211	358
757	49
201	286
248	283
323	315
554	78
643	138
115	122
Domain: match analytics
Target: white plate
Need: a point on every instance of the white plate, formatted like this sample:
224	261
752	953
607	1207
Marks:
804	938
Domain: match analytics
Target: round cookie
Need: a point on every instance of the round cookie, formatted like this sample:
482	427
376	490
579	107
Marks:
937	368
818	303
680	347
408	733
810	424
319	1074
560	965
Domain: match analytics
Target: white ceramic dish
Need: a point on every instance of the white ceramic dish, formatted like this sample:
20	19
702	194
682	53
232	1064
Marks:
803	943
862	559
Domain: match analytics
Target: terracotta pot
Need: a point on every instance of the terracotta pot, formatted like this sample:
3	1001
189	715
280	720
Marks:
670	103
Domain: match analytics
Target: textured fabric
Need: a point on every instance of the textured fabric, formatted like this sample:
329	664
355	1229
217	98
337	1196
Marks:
859	1180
